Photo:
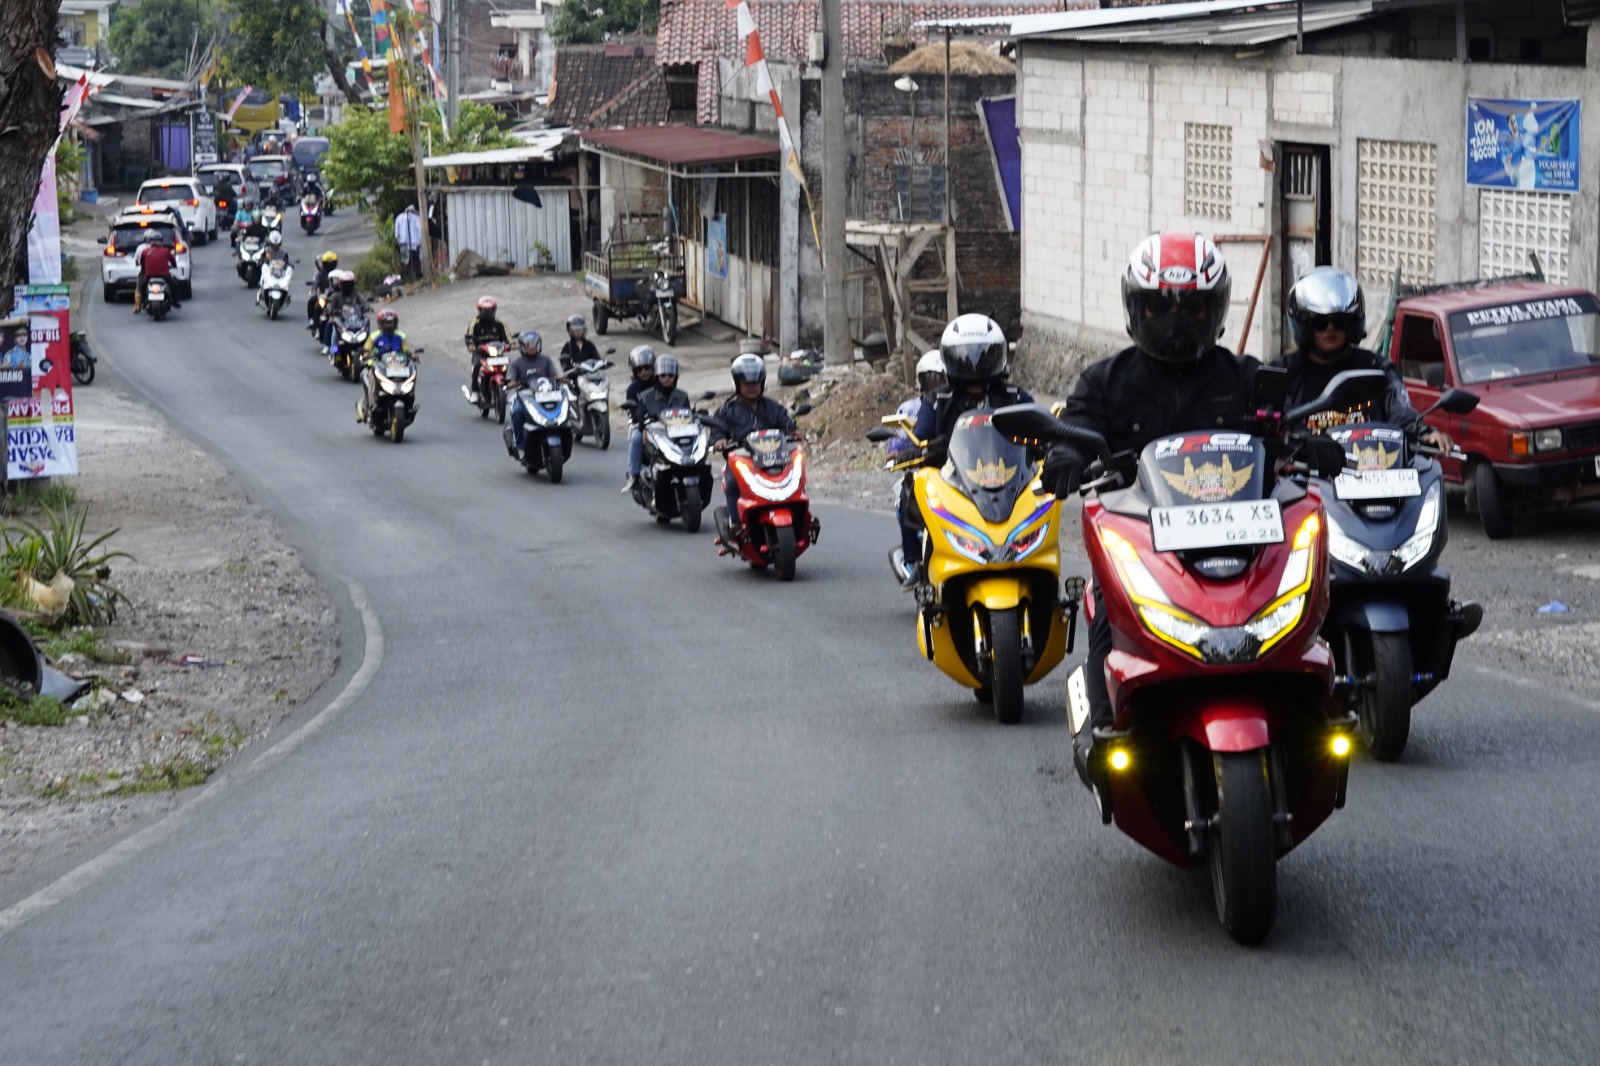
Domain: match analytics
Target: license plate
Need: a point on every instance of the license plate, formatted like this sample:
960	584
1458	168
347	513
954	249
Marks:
1216	525
1377	485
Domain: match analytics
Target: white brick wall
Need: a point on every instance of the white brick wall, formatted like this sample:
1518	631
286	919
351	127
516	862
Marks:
1303	97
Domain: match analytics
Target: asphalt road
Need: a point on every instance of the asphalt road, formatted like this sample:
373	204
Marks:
598	796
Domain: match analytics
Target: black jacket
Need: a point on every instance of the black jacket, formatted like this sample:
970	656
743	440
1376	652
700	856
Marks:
1307	379
937	420
655	399
1132	399
481	332
739	420
580	354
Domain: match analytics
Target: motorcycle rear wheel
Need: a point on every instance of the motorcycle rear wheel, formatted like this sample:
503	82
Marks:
1384	706
1244	861
692	506
783	553
1005	666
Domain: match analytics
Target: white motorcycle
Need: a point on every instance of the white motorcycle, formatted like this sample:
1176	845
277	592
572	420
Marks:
274	291
591	402
542	408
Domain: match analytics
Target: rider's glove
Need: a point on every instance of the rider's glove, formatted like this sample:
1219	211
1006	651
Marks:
1063	471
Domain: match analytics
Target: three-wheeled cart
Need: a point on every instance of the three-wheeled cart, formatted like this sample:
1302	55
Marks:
642	280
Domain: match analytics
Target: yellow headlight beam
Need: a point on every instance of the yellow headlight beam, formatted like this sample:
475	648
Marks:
1341	745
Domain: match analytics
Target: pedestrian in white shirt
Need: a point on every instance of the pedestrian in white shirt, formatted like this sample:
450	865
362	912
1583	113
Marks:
408	235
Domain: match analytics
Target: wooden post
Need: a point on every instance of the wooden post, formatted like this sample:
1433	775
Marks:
948	185
1255	291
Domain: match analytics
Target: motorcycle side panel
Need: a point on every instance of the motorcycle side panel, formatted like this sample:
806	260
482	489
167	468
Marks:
1051	649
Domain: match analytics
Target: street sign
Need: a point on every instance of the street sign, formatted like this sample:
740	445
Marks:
205	137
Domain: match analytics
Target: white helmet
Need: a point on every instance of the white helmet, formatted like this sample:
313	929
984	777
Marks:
275	239
974	348
932	362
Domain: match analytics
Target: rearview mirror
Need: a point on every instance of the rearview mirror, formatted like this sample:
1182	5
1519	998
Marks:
418	351
611	351
1456	402
102	240
709	394
879	434
1030	423
1325	456
803	409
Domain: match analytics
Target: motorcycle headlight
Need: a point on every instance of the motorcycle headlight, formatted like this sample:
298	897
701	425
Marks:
409	384
1547	440
1274	622
387	385
1343	548
971	547
1416	549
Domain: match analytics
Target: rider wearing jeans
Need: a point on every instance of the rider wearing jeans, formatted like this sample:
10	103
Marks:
642	365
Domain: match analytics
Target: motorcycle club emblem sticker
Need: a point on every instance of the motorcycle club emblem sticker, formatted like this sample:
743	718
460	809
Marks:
1209	482
1378	458
991	475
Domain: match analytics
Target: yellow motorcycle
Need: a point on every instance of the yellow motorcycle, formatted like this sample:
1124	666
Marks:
991	611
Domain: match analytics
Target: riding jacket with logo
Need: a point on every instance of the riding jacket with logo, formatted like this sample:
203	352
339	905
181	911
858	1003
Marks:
481	332
1307	379
739	419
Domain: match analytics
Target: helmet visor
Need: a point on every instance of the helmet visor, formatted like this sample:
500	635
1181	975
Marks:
974	360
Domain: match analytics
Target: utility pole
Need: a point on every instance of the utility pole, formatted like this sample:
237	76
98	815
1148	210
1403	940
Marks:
836	341
453	12
403	33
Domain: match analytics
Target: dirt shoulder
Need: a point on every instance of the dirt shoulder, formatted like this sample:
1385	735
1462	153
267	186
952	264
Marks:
213	579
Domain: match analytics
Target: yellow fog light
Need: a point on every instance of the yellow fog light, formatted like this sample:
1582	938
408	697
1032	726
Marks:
1341	745
1120	759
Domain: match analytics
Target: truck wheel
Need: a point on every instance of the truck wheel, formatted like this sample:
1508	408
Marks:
1491	502
601	319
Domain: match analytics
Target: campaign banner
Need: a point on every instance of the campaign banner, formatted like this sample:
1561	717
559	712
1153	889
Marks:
238	100
204	137
1523	144
15	360
999	116
41	435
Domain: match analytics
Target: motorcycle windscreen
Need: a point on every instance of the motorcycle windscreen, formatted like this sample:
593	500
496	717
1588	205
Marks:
1204	467
353	319
679	423
989	468
766	448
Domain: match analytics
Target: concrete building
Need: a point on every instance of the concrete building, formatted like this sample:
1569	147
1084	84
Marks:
1349	148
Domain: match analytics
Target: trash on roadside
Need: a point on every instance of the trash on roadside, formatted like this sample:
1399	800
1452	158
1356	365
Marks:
198	660
133	695
1553	607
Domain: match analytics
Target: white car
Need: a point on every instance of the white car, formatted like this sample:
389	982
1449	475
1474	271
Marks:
119	274
208	174
189	198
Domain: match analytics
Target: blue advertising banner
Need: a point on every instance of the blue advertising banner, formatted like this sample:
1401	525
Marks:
999	115
717	247
1523	144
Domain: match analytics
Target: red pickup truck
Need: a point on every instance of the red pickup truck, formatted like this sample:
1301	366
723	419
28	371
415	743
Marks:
1530	350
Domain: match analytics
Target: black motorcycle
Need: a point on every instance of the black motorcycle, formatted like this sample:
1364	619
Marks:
675	478
83	360
391	403
349	338
1391	624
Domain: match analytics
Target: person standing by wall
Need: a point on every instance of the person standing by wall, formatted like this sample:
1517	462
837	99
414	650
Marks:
408	235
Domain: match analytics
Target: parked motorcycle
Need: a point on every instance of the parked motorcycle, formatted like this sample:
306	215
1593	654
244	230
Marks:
310	214
675	479
776	525
1209	554
491	381
83	360
157	300
273	295
665	299
394	396
349	337
1392	625
990	613
251	251
591	401
547	434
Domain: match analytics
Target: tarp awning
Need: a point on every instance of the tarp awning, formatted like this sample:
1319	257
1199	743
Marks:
672	147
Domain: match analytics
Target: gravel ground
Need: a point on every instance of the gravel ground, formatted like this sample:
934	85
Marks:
213	578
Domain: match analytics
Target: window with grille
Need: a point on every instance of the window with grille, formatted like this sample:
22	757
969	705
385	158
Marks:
1396	187
919	192
1512	223
1208	171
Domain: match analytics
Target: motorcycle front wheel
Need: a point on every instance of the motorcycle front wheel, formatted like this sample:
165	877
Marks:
1005	666
692	506
1384	704
602	430
783	553
397	424
500	406
1244	862
553	465
669	325
82	370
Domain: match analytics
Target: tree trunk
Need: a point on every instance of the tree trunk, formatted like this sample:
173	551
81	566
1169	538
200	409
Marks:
30	116
29	120
336	71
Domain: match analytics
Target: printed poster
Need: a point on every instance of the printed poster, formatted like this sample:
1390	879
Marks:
42	438
717	247
1523	144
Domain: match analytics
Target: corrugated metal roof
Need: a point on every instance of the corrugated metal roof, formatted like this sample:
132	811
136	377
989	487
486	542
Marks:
1204	22
682	145
537	150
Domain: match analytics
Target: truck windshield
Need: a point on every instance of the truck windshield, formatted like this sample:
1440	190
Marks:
1531	337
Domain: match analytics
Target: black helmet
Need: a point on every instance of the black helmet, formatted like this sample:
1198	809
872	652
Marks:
974	349
1326	293
749	369
642	358
575	323
667	367
1175	294
532	344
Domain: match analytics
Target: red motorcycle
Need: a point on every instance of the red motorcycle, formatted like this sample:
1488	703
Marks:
491	381
1209	554
776	525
